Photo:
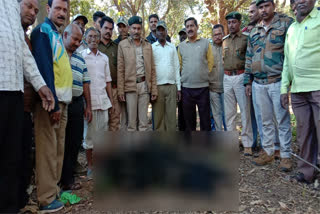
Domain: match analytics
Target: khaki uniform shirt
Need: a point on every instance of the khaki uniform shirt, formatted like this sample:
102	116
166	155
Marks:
111	50
234	51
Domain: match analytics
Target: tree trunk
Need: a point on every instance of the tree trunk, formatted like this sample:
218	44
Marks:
143	21
42	12
68	14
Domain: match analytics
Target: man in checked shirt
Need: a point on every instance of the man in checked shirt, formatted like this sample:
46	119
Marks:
14	67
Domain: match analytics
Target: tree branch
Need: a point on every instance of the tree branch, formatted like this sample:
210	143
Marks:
168	10
240	3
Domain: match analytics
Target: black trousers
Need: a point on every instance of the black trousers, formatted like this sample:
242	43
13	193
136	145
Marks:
27	164
192	97
11	150
74	137
181	122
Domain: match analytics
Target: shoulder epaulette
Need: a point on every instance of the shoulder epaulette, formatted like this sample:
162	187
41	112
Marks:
226	37
246	33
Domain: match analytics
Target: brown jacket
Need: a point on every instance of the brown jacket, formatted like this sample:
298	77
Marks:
127	74
217	74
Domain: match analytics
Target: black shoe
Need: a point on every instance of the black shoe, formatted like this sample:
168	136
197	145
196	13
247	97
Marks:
300	178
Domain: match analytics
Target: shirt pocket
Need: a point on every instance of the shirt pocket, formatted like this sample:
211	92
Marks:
311	37
241	53
277	38
225	52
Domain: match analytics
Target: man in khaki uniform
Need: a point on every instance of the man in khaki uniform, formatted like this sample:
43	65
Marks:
234	51
110	48
136	76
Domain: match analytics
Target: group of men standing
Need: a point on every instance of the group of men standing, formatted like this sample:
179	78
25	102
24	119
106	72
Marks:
88	83
262	64
254	56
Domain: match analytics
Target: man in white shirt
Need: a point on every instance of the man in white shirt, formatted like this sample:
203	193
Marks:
100	89
14	66
168	81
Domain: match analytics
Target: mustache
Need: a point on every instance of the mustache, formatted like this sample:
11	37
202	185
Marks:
109	34
61	17
190	31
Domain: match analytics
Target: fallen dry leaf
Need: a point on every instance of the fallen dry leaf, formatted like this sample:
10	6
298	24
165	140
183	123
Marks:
251	171
283	206
256	202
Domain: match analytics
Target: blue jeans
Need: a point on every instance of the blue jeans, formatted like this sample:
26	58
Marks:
258	121
268	102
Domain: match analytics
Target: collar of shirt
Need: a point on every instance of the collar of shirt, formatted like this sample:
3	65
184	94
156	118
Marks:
157	43
273	23
197	39
89	52
155	38
313	14
131	40
237	34
215	45
107	45
53	26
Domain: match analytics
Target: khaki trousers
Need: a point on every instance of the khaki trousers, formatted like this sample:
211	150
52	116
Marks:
123	117
137	108
234	93
114	120
49	141
164	109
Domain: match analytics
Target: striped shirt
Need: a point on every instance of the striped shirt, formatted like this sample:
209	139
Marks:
79	73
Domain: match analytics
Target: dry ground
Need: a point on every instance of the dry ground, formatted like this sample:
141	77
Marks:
261	190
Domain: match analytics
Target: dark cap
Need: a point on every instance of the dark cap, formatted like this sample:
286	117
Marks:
183	30
162	24
123	21
79	16
135	20
262	1
234	15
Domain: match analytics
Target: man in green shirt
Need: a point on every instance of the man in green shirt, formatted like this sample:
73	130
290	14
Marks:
110	48
301	71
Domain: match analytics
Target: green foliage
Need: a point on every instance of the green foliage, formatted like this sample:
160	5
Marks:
84	7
